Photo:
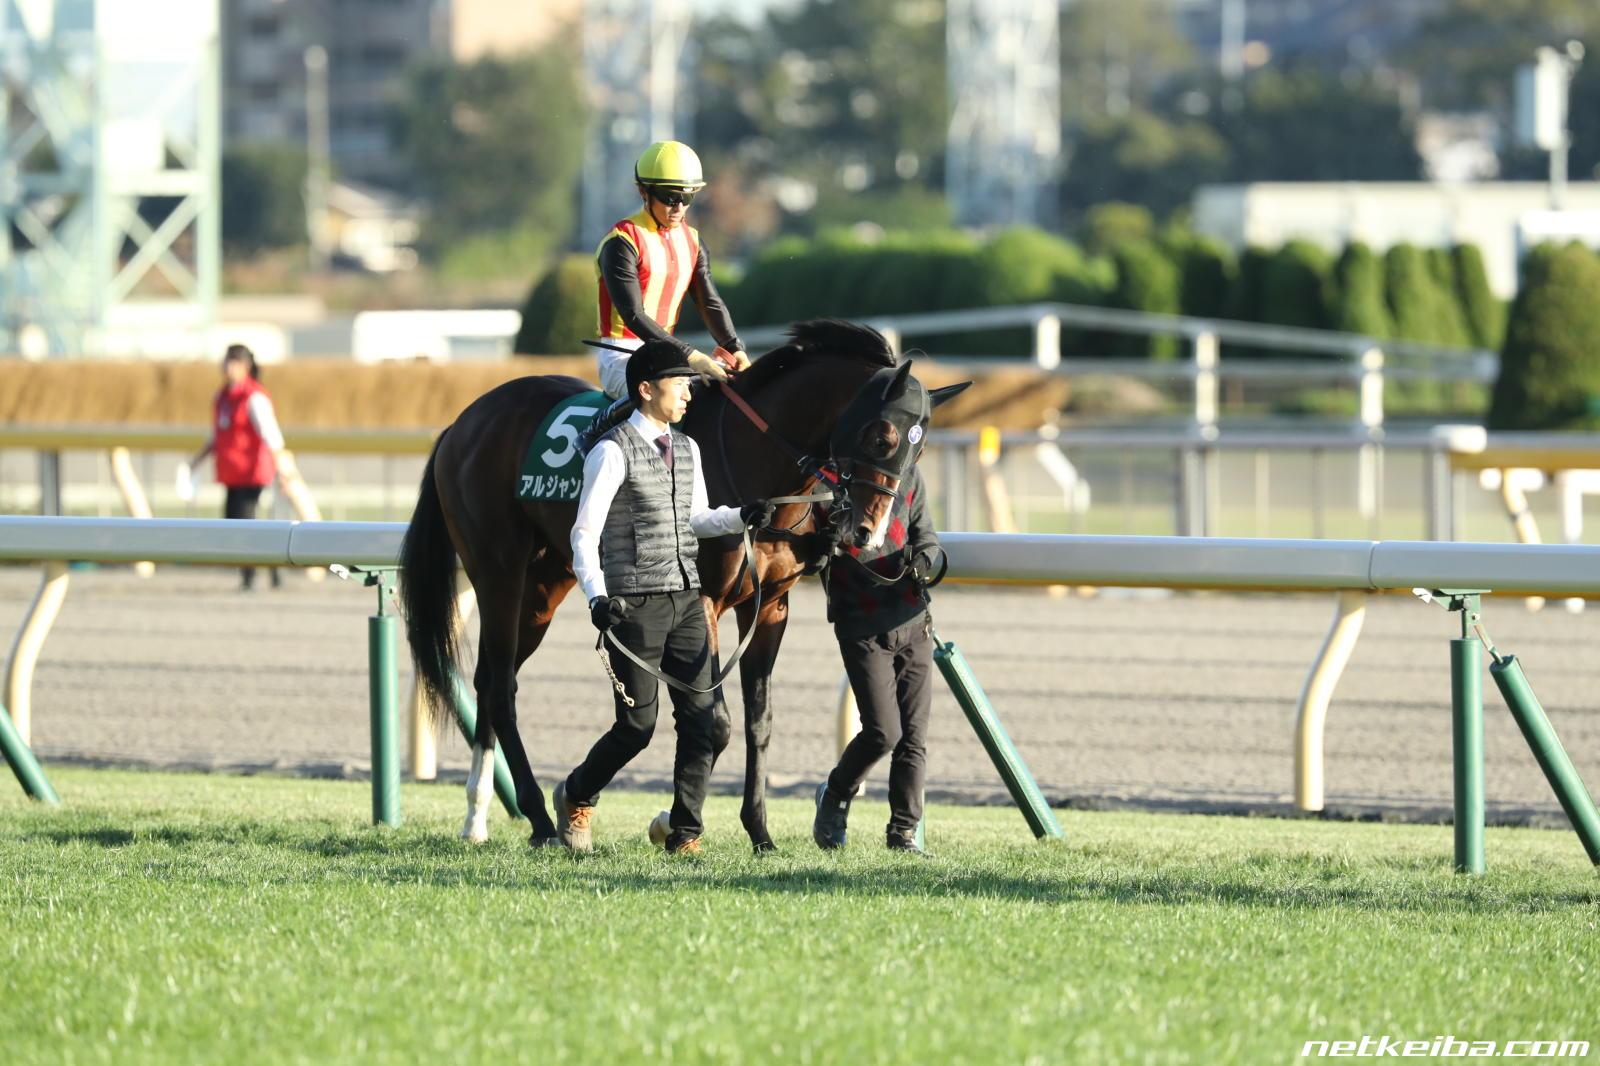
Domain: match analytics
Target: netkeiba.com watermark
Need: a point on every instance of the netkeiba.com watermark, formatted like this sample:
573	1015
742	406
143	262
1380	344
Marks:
1443	1047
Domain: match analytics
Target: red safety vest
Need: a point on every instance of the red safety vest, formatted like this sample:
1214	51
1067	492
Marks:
243	460
667	260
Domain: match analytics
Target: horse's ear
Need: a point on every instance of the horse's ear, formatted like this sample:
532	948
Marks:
897	384
949	392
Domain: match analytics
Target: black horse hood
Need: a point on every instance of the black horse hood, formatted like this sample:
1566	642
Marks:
894	397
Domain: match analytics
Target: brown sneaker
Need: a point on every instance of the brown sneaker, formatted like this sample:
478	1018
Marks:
688	847
572	822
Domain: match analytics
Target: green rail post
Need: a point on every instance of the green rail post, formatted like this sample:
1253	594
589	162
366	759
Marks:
1547	749
22	762
385	719
1019	781
1466	728
466	709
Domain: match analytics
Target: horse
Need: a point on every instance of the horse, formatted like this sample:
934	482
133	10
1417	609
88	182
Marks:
517	553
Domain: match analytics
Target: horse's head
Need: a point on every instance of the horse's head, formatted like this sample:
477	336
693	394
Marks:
877	438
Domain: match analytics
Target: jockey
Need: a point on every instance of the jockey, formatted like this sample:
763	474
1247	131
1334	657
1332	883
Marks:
645	266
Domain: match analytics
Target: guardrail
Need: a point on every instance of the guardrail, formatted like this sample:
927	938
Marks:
1351	569
1446	451
1362	360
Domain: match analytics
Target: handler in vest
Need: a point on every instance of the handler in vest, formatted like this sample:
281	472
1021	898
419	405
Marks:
246	441
634	546
645	267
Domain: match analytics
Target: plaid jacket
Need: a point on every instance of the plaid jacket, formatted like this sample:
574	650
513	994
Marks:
858	606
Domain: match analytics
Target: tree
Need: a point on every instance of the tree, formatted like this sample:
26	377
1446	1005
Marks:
1295	286
496	146
1148	280
560	310
1140	158
1486	316
1423	311
263	198
1549	366
1357	303
856	97
1306	124
1115	58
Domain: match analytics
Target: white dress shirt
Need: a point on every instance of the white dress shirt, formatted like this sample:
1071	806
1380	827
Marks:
603	473
265	421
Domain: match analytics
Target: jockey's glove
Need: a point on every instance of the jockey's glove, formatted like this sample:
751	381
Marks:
704	364
922	567
606	612
757	514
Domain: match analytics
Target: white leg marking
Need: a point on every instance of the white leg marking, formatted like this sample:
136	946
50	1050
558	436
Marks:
480	790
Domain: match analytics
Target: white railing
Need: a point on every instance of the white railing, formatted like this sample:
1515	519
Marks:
1351	569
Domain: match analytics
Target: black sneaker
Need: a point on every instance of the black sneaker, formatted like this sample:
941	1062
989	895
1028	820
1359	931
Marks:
905	842
828	829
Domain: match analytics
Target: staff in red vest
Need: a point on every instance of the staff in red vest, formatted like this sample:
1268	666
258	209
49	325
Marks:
245	441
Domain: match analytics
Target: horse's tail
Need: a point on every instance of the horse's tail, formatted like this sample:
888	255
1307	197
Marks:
428	594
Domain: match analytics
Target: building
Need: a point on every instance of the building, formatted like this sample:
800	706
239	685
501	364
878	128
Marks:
370	45
1501	218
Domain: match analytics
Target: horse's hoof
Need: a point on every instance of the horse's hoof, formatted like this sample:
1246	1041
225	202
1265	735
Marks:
544	842
765	846
475	834
660	829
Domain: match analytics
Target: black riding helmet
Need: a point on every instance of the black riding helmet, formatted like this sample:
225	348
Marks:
654	360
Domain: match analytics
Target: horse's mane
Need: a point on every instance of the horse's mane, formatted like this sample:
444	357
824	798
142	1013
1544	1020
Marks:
820	337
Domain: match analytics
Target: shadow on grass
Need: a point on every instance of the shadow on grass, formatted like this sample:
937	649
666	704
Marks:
436	860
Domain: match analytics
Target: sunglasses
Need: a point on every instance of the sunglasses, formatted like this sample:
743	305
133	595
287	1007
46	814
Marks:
673	197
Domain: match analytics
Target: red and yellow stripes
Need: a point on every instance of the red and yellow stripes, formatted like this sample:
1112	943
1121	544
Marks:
666	265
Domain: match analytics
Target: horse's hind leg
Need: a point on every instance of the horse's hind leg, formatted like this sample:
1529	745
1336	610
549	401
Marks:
547	583
755	676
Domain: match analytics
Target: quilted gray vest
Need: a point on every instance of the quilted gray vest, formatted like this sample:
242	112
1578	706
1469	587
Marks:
646	544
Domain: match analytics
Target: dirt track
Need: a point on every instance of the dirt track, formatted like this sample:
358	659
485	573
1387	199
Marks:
1154	700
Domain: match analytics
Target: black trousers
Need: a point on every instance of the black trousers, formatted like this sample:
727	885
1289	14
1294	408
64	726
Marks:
891	675
667	630
242	502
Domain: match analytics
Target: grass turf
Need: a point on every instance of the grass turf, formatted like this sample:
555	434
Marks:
193	918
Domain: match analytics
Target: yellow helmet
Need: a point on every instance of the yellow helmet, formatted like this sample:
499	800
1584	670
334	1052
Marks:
669	163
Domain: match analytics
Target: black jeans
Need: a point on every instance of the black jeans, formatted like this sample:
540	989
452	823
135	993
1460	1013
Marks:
242	503
891	676
667	630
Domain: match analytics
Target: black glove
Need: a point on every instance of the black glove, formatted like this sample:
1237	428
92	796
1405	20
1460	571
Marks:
823	542
606	612
922	567
757	514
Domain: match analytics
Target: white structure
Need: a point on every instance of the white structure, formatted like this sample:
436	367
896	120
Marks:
634	56
439	336
1003	59
1385	213
110	218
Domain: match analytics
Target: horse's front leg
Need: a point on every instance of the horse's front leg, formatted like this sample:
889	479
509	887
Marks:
755	675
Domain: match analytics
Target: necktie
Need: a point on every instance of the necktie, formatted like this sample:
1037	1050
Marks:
664	446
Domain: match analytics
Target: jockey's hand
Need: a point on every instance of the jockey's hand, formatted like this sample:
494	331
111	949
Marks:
757	514
705	364
824	542
922	568
734	361
606	612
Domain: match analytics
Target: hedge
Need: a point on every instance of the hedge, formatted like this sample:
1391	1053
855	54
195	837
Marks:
1549	364
1437	297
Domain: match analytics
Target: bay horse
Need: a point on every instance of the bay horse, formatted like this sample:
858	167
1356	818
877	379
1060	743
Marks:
518	555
